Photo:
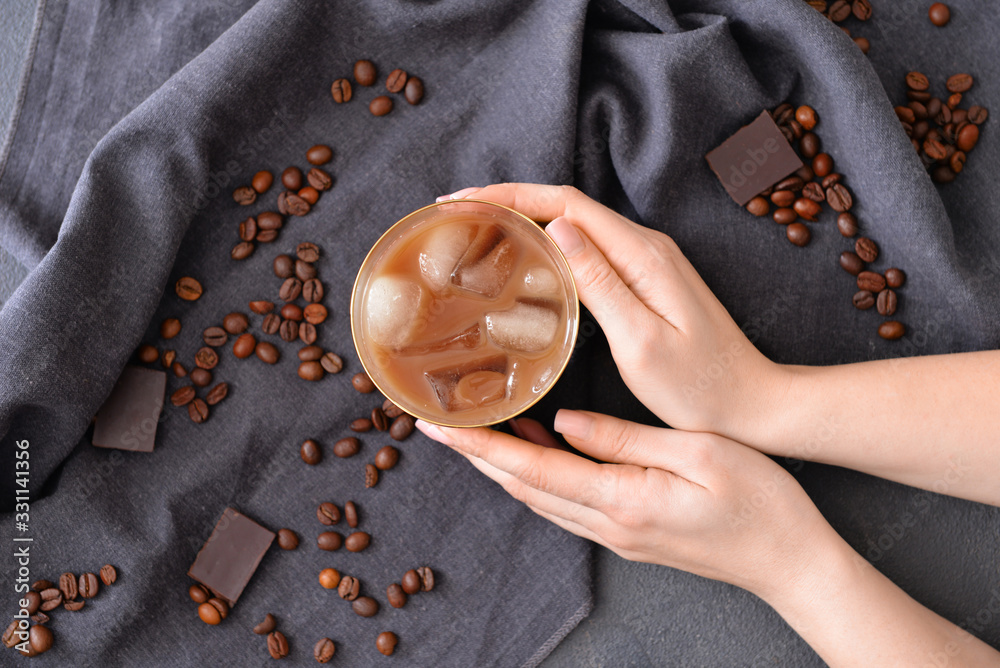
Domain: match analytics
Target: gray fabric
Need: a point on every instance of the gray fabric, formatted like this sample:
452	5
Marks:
626	107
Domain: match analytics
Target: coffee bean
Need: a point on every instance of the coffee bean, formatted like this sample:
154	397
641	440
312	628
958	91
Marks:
277	645
362	383
361	425
188	289
364	72
822	165
959	83
262	181
199	593
380	106
198	411
271	323
310	353
351	514
379	419
346	447
968	137
809	146
215	337
905	114
887	302
863	300
331	363
291	312
943	117
847	224
324	650
891	330
235	323
304	270
319	179
73	606
386	642
287	540
108	574
267	352
261	307
10	637
68	586
39	585
863	44
307	252
866	249
411	582
266	626
178	369
244	195
365	606
248	229
919	110
330	541
329	578
414	92
289	330
221	607
206	358
182	397
782	198
839	198
793	183
934	149
862	9
839	10
51	599
40	618
371	476
328	513
320	154
396	81
40	639
283	266
291	178
869	280
341	91
290	289
34	600
357	541
267	236
942	174
813	191
402	427
939	14
920	96
209	614
311	371
307	333
167	360
311	452
87	585
426	578
244	346
312	290
807	209
977	114
386	458
785	216
310	195
201	377
217	394
349	588
148	354
895	278
170	328
242	250
851	263
396	595
758	206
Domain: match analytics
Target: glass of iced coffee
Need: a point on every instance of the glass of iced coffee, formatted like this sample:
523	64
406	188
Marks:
464	313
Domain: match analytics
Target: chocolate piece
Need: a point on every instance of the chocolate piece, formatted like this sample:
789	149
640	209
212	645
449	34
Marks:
230	556
129	417
753	159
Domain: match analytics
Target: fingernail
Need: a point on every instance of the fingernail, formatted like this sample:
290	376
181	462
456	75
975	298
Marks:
458	194
434	432
566	236
574	423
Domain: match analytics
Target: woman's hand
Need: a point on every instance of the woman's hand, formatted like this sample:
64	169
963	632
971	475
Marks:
694	501
676	346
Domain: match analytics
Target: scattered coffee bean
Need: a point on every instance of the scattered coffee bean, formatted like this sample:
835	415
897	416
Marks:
783	198
34	601
414	91
318	180
357	541
351	514
785	216
291	312
869	280
248	229
108	574
74	606
40	618
10	638
851	263
977	114
863	44
362	383
391	410
290	289
386	642
244	346
329	541
396	595
809	146
211	614
386	458
887	302
847	224
271	323
242	250
308	335
402	427
866	249
215	337
939	14
277	645
959	83
349	588
188	289
341	91
839	198
87	585
262	181
309	194
201	377
296	205
206	358
267	352
328	514
758	206
51	599
291	178
324	650
320	154
310	452
39	585
307	252
148	354
426	578
170	328
266	626
967	138
197	411
396	81
346	447
310	353
380	106
863	300
199	593
304	271
814	192
891	330
371	476
361	425
332	363
40	639
862	9
167	360
182	396
311	371
365	606
329	578
895	278
364	72
287	540
806	116
312	290
798	234
68	586
283	266
244	195
379	419
261	307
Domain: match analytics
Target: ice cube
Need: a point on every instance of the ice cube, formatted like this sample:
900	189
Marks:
395	310
541	281
468	338
530	326
513	379
443	248
479	382
487	264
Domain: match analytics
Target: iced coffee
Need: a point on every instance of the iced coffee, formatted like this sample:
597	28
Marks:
464	313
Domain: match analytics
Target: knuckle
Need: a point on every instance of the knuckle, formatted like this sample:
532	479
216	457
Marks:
620	437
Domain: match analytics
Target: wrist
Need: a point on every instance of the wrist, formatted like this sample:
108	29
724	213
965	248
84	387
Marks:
766	410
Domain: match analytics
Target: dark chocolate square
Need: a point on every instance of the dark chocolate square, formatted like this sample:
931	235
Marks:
753	159
229	557
128	419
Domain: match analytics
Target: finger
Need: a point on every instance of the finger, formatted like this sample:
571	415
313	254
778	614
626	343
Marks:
553	471
532	430
573	527
623	442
